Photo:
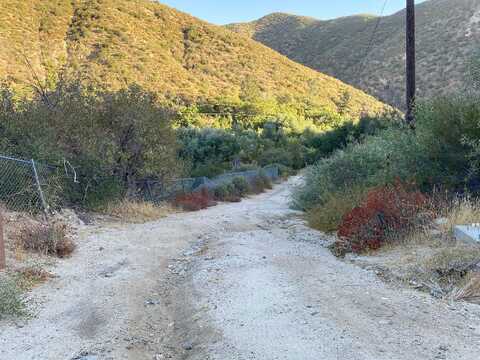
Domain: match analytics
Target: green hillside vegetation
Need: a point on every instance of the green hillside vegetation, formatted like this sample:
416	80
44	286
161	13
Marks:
388	183
111	44
128	91
448	34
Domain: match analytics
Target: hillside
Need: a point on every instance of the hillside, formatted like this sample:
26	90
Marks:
113	43
448	34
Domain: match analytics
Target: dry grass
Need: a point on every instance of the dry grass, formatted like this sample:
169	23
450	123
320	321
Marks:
134	211
32	275
430	259
452	262
460	211
47	239
470	292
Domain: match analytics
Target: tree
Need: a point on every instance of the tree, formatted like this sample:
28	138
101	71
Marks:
124	135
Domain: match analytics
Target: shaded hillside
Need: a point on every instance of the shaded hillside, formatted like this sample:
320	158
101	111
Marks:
112	43
448	35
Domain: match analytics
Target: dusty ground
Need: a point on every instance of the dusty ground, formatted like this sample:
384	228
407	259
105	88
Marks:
237	281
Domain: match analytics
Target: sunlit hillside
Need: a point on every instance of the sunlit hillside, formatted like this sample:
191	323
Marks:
112	43
448	34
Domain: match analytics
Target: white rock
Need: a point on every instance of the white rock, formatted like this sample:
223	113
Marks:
467	233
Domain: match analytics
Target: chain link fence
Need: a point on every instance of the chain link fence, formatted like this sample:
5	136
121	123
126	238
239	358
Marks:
36	187
21	186
158	191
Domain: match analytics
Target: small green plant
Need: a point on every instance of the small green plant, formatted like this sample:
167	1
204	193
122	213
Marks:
11	301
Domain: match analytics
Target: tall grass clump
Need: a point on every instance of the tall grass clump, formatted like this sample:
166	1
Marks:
460	211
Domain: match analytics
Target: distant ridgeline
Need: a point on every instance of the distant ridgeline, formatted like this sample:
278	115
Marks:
369	52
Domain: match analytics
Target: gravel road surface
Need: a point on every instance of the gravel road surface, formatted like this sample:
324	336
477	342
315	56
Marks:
237	281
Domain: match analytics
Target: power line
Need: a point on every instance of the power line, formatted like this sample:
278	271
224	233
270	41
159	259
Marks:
361	67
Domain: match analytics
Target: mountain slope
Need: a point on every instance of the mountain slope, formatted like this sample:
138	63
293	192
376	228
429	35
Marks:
112	43
448	34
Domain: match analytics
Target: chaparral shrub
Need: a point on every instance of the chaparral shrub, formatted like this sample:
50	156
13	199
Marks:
226	192
261	182
387	211
377	161
441	153
242	187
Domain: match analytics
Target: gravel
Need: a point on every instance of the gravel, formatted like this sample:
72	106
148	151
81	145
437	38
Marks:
272	290
237	281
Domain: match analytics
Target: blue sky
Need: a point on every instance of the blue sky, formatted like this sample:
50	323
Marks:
227	11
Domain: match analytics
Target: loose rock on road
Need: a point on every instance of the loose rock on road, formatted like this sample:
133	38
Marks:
236	281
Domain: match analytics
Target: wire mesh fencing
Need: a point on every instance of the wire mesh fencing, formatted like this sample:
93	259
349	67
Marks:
159	191
20	185
36	187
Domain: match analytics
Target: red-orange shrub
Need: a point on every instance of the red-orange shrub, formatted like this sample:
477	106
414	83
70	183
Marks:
194	201
388	210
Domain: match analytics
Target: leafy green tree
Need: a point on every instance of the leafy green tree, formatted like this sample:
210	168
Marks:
124	135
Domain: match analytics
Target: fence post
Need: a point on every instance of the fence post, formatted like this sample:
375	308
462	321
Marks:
39	187
3	263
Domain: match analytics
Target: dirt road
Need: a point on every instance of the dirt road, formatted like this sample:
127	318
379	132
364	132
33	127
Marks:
237	281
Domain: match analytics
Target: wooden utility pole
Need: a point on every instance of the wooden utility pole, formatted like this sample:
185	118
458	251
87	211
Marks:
410	65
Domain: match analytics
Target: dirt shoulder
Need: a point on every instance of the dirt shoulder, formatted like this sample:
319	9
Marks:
107	300
237	281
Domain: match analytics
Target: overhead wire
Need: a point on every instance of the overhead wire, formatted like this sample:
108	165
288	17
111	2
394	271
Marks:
361	66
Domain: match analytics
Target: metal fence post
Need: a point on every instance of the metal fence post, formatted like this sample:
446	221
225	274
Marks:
3	263
39	187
